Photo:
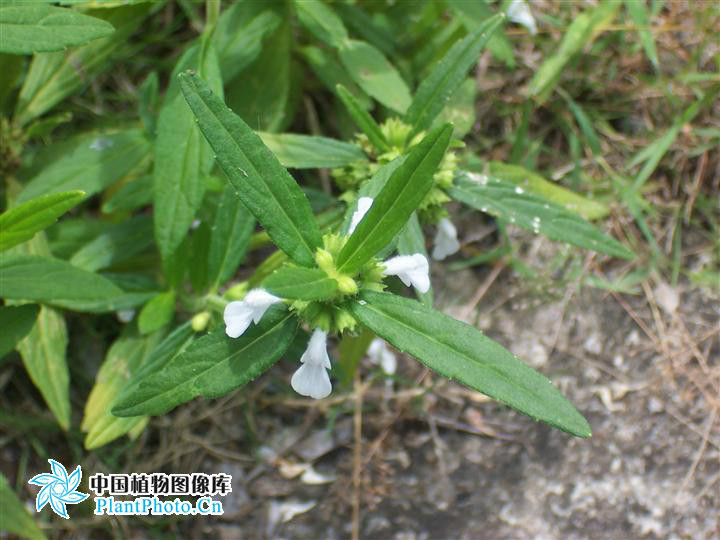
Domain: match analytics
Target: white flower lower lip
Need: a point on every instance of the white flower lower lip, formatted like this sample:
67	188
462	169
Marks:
413	270
446	241
379	353
311	379
239	314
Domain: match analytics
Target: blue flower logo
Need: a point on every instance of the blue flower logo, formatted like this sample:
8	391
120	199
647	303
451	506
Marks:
58	488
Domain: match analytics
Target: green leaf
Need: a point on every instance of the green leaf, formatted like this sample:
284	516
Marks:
16	322
331	73
512	203
31	29
88	162
148	99
14	518
472	15
158	312
460	352
435	90
532	182
362	119
262	184
55	75
211	366
123	360
301	284
581	32
236	48
22	222
585	123
374	74
173	344
119	243
401	195
654	152
182	156
130	196
229	239
43	353
322	22
460	110
263	94
310	152
44	279
410	241
638	12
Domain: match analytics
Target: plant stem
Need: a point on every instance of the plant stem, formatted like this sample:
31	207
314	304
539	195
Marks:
212	13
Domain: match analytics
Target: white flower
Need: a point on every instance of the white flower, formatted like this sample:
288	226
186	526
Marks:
363	205
411	269
446	241
519	12
125	315
311	379
379	353
239	314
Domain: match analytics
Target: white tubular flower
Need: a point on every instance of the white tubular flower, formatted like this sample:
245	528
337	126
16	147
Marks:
312	379
446	241
379	353
413	270
239	314
363	205
519	12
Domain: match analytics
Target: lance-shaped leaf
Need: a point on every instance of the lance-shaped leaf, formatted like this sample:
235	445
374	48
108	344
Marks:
319	19
362	118
332	73
14	518
89	162
182	156
263	185
300	284
532	182
512	203
581	32
122	361
43	352
237	49
38	28
157	312
461	352
53	281
373	73
118	243
310	152
230	238
53	76
25	220
16	322
449	73
211	366
398	199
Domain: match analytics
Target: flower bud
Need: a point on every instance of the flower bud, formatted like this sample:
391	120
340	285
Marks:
200	321
324	260
346	285
237	292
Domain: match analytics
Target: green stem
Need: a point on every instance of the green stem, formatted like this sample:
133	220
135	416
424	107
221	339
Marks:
215	302
212	14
